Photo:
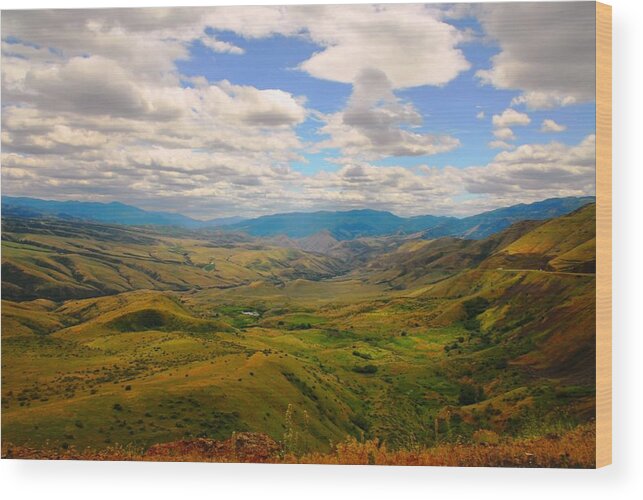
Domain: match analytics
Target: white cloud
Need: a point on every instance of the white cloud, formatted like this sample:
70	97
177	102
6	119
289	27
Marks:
196	184
505	134
543	100
251	106
528	173
547	51
537	171
499	144
221	46
377	49
510	117
480	115
409	43
550	125
402	190
81	85
502	131
105	115
148	40
376	124
406	42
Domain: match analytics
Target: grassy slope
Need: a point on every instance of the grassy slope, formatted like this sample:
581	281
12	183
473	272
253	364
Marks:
565	244
61	260
151	366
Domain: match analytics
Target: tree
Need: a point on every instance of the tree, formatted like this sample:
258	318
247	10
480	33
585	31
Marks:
470	394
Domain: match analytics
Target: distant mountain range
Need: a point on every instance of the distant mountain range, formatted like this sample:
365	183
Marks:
488	223
371	223
340	225
346	225
110	213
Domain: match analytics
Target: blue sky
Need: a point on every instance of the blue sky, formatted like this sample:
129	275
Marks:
453	108
252	110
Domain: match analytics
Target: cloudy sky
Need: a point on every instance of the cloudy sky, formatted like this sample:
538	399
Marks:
416	109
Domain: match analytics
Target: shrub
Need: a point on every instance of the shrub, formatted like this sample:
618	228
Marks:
360	421
472	308
365	369
470	394
475	306
501	364
484	436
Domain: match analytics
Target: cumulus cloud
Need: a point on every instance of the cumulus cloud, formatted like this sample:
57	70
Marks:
251	106
411	44
96	109
400	189
510	117
502	131
543	100
546	51
149	40
545	170
406	42
530	172
220	46
500	144
550	125
376	123
377	49
81	85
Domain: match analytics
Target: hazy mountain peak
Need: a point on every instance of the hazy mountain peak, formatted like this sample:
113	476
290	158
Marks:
338	225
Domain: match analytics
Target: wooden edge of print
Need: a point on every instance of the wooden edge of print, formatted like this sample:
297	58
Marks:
603	234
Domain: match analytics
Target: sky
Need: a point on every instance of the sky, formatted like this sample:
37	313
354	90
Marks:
244	111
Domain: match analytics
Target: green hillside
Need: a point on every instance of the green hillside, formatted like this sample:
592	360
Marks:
567	243
119	336
59	260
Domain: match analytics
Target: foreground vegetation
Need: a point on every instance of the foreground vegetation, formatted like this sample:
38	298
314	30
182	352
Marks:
429	352
574	449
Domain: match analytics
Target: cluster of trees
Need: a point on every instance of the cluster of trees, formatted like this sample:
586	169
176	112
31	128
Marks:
470	394
365	369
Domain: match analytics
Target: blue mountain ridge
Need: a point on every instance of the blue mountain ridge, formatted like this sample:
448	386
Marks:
341	225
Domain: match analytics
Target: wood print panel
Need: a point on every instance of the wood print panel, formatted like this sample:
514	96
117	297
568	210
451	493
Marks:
333	234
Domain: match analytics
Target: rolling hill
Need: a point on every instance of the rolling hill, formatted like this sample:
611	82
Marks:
58	260
562	244
114	335
567	243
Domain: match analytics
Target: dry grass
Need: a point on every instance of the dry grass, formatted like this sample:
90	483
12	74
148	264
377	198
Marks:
574	449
